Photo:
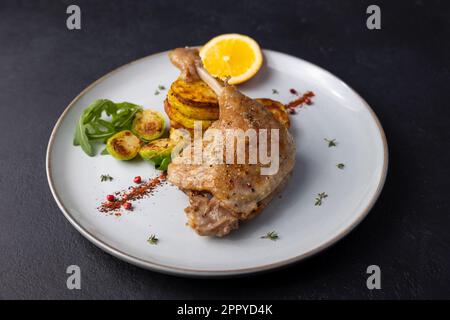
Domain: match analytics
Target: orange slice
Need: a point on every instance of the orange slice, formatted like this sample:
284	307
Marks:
232	56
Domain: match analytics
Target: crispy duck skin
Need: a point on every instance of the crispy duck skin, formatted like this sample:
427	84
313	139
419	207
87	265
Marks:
222	195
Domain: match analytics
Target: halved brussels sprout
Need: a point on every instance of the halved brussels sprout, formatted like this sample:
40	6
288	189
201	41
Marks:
158	152
124	145
148	125
180	138
179	135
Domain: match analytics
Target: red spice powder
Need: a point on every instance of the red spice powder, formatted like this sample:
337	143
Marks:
305	98
132	194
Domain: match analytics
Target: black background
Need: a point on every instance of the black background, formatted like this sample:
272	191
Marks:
402	70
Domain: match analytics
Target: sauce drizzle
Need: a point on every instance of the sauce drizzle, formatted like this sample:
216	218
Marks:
305	98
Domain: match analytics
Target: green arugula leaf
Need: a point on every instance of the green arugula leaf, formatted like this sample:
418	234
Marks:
83	139
92	125
163	164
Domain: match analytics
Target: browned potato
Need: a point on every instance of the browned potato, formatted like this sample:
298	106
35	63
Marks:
195	94
176	116
201	113
277	109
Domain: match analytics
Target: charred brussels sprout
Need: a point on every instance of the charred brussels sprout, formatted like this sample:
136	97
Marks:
180	138
148	125
158	152
179	135
124	145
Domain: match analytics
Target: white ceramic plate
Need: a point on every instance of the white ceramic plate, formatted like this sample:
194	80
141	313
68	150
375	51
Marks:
304	229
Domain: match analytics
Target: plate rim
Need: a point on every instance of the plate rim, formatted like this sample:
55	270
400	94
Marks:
186	272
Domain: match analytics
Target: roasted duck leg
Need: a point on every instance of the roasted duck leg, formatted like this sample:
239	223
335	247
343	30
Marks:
223	194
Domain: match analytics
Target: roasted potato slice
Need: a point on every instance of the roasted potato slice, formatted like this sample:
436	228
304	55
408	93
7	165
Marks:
277	109
184	121
175	125
201	113
195	94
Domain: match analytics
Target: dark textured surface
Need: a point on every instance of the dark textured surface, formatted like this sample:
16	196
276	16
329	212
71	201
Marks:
401	70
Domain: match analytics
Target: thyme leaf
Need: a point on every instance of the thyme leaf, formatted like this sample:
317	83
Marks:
275	91
340	166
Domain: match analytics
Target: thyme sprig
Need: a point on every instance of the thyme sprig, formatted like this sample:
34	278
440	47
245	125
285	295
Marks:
319	198
331	143
106	177
153	240
272	235
160	88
